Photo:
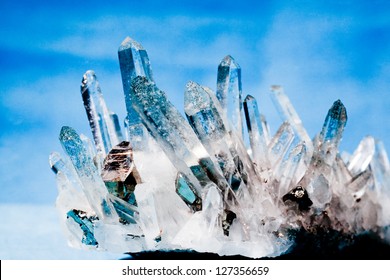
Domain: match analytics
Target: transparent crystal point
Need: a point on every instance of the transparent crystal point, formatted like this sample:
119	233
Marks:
332	132
362	156
133	61
229	92
105	131
288	113
257	137
90	179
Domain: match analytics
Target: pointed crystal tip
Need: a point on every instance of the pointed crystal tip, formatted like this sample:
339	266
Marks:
54	158
338	111
195	98
228	61
130	43
88	78
249	98
67	133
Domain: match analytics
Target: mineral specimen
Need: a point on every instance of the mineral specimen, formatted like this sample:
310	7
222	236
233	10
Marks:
198	184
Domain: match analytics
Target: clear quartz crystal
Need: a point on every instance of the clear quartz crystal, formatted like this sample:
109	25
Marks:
257	136
88	174
106	132
362	157
134	61
289	114
193	185
229	91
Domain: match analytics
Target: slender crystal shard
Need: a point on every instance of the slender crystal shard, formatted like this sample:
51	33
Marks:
90	179
115	120
280	144
104	130
266	129
362	157
229	92
332	132
288	113
134	61
257	136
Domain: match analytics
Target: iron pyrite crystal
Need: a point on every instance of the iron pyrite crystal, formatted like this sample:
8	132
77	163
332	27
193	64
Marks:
196	183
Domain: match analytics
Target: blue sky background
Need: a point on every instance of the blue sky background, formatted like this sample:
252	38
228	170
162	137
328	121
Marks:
319	51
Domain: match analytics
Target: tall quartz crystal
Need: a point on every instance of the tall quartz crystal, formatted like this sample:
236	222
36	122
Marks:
134	61
89	176
229	91
104	126
257	135
332	132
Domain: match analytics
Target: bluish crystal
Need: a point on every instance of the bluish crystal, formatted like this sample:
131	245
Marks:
106	133
332	132
115	120
187	192
92	183
86	225
150	105
229	92
134	61
176	136
205	120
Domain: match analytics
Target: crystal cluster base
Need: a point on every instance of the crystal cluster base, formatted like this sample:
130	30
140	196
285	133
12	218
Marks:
215	180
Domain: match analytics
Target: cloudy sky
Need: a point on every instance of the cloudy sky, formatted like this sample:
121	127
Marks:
318	51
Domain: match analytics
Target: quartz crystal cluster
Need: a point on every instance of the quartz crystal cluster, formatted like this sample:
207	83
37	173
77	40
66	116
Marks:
215	180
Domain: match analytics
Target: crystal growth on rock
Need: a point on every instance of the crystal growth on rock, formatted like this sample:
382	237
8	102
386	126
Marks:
191	184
